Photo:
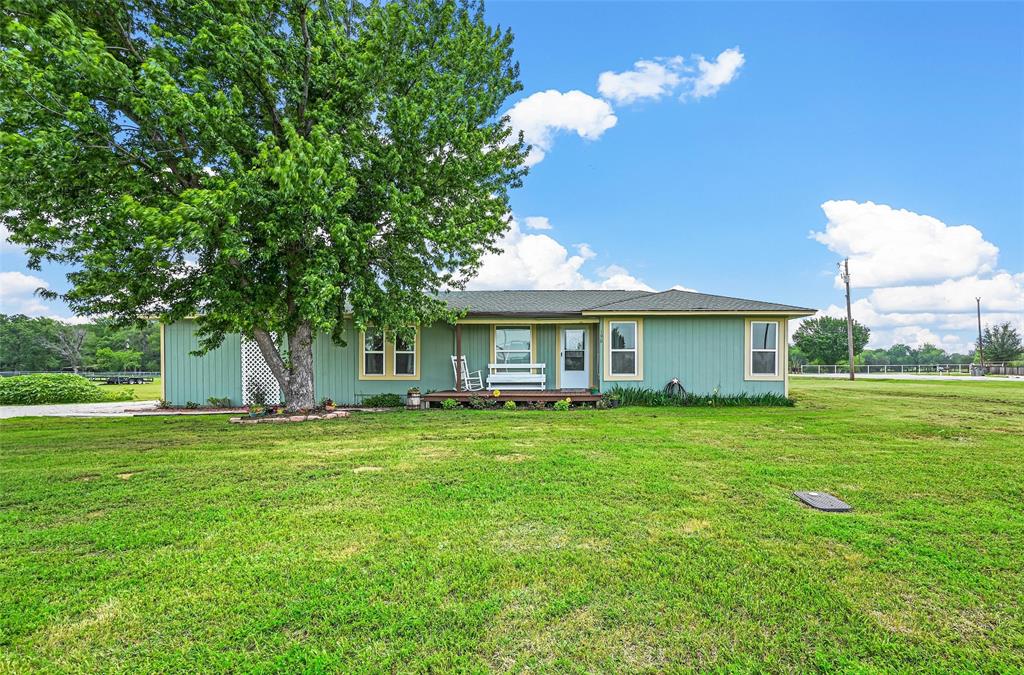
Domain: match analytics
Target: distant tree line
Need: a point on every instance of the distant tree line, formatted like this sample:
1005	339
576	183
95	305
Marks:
822	340
37	343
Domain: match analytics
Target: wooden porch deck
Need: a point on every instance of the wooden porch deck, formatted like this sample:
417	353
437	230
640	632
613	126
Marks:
518	395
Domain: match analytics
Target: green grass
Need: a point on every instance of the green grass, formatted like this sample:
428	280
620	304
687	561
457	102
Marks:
615	540
141	392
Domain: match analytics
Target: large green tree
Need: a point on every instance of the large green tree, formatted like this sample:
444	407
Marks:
1002	343
270	166
823	339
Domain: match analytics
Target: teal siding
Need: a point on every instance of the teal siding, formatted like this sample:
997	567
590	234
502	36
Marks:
197	378
336	369
705	353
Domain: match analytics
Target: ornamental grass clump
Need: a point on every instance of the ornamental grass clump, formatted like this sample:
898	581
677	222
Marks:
44	389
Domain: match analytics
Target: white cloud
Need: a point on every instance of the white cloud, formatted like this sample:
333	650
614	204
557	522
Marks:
1003	292
715	74
679	287
17	294
537	223
889	247
537	261
539	116
648	79
5	243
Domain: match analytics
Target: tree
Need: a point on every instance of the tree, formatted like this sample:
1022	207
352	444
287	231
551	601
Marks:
25	343
823	339
272	166
1001	343
116	360
68	342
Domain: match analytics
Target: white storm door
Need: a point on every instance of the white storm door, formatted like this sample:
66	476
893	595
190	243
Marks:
574	361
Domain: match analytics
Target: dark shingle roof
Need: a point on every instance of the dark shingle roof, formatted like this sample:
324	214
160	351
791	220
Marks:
689	301
534	303
574	302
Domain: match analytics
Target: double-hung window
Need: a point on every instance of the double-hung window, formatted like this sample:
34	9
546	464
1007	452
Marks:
764	348
373	352
405	356
622	345
512	344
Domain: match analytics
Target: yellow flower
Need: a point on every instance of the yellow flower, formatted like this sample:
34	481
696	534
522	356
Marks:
497	393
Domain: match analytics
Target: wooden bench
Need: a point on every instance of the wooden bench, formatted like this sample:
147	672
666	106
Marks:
516	375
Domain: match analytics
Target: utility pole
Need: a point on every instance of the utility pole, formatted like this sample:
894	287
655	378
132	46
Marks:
844	272
981	347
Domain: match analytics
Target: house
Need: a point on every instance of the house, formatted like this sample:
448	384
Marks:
522	341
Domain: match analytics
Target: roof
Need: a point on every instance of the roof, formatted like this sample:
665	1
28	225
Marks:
576	302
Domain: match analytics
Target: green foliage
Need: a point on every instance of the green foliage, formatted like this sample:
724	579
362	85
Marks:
901	354
450	404
383	401
110	360
268	167
57	388
823	339
216	402
1001	343
478	402
636	396
44	344
509	405
192	405
562	404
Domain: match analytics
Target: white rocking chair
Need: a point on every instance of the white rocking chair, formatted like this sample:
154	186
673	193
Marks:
470	381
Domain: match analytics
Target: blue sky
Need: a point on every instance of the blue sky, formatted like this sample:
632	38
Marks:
908	118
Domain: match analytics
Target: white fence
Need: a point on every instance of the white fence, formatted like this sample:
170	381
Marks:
922	368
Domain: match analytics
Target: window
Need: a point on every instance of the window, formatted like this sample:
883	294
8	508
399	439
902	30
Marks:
405	356
622	344
512	344
764	347
373	352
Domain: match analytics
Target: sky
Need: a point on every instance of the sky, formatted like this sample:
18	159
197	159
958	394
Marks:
744	149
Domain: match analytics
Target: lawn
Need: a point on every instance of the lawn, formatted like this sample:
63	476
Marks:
619	540
140	392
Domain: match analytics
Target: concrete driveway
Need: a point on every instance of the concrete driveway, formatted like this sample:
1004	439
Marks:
115	409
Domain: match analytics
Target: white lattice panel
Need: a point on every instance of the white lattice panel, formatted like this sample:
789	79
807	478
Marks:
257	374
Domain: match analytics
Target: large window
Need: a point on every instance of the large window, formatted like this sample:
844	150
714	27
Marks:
405	356
622	344
512	344
388	356
764	347
373	352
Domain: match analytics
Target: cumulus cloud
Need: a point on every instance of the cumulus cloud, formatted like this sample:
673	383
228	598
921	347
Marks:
652	79
17	294
923	275
537	223
648	80
715	74
538	261
541	115
888	246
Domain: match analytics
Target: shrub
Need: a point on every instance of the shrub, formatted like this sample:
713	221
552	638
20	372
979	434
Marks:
224	402
383	401
563	404
654	398
449	404
191	405
58	388
478	402
509	405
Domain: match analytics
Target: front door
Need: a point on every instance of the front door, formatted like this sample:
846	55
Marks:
574	368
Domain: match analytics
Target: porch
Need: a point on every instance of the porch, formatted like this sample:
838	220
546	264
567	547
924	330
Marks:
517	395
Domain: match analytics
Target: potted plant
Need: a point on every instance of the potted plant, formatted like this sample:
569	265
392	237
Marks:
412	398
257	410
328	405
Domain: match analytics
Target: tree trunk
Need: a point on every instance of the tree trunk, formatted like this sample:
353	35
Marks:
296	377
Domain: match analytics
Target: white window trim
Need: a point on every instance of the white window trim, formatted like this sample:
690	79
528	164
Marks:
363	352
638	350
494	342
415	358
780	350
